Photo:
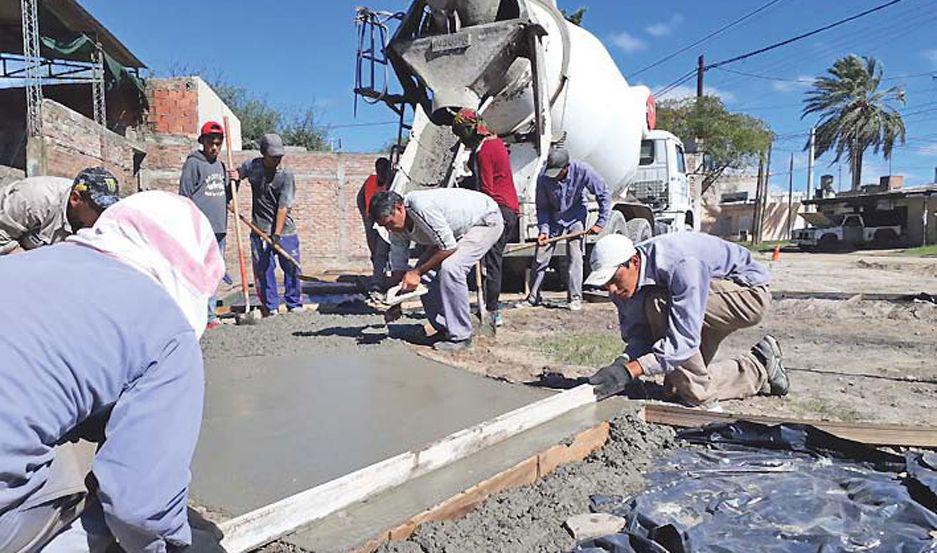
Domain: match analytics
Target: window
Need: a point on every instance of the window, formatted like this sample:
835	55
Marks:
647	152
681	163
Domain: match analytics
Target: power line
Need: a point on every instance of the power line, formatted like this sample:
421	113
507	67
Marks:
803	35
675	84
371	124
704	39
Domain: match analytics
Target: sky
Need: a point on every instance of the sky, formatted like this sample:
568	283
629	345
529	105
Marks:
297	53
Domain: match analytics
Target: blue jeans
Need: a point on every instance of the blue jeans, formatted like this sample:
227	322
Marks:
213	301
264	259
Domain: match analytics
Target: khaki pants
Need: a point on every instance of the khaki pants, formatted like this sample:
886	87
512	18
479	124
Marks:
730	307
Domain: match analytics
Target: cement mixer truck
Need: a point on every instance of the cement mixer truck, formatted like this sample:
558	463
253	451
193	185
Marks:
536	79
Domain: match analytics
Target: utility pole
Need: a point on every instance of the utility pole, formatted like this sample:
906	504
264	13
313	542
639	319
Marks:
790	200
700	69
813	139
764	196
755	215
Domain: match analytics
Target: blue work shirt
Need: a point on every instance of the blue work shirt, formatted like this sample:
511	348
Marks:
83	333
683	264
561	203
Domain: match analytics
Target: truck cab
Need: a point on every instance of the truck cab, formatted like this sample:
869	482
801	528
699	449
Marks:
660	182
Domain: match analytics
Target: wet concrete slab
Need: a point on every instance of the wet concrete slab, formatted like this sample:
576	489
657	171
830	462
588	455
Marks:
275	426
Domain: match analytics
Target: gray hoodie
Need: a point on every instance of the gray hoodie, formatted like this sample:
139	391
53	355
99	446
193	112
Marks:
204	183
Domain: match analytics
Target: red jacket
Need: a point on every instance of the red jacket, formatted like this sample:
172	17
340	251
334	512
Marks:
494	173
371	187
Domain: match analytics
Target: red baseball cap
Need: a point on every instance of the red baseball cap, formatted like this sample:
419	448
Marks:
211	127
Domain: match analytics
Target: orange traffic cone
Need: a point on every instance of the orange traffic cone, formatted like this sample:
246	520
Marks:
776	256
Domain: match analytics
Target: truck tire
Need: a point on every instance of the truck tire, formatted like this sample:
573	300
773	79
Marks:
638	230
828	242
616	225
884	238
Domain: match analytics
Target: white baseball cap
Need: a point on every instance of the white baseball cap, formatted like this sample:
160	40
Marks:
609	253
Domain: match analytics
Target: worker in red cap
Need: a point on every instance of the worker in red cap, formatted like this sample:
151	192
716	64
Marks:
204	181
491	166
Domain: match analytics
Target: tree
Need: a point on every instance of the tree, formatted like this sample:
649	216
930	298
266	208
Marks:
732	140
575	17
854	112
302	130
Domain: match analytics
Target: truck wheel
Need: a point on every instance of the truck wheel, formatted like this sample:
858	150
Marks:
616	225
638	230
884	238
828	242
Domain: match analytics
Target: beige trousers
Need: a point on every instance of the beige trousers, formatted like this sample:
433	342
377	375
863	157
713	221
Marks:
730	307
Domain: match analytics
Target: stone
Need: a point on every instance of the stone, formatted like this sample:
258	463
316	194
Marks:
586	526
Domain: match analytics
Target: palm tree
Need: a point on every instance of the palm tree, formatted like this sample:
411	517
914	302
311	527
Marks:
854	113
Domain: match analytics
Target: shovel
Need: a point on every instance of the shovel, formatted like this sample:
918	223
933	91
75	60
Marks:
263	236
486	325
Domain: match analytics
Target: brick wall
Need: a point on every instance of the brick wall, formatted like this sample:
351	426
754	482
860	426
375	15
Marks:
325	212
173	106
70	142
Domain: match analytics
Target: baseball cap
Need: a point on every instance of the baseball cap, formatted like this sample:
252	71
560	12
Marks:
211	127
609	253
272	145
98	184
557	160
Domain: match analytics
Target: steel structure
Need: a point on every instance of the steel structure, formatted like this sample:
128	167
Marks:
97	86
33	64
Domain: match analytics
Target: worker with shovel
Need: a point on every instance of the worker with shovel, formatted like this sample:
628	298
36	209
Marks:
678	297
457	227
561	209
378	182
491	165
203	181
273	189
39	211
101	391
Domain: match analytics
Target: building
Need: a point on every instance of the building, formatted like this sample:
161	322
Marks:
887	203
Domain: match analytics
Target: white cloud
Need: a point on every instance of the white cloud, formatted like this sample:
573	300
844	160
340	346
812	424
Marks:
802	81
930	55
664	28
627	42
683	91
927	149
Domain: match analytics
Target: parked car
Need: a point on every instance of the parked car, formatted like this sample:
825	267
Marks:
846	231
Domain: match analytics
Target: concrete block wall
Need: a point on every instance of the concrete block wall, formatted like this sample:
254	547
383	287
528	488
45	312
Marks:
70	142
326	215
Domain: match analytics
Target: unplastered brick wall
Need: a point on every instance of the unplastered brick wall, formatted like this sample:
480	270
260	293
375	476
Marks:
326	214
180	105
70	142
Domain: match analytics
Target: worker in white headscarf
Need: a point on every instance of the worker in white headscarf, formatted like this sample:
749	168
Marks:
113	352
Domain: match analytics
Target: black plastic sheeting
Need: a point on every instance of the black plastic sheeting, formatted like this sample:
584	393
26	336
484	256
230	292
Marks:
751	488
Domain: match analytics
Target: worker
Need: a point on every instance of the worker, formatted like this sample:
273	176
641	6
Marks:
678	297
273	189
491	165
561	209
457	227
114	359
378	182
39	211
204	181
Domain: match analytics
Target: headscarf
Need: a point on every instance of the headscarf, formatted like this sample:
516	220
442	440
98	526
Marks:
468	118
168	239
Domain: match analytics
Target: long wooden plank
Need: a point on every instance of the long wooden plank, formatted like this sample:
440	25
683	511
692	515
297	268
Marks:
867	433
259	527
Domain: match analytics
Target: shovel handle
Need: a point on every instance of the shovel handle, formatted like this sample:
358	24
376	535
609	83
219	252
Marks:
560	238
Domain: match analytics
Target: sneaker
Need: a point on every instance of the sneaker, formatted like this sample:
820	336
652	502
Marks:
527	302
212	324
575	305
497	319
453	346
298	309
768	353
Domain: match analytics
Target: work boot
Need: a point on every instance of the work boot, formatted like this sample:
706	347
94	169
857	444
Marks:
497	319
453	346
768	353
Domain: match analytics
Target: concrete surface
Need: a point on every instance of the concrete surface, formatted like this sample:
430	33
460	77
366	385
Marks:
352	527
852	273
275	426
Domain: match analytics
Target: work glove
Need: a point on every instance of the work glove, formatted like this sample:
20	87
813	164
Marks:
275	239
612	379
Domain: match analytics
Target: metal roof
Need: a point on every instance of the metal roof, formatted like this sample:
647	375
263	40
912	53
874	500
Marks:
927	190
59	19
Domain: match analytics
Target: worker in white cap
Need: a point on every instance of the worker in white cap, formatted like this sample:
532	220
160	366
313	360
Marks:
678	296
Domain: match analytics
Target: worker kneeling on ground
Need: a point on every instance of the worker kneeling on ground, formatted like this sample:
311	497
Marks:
457	227
39	211
678	296
116	354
